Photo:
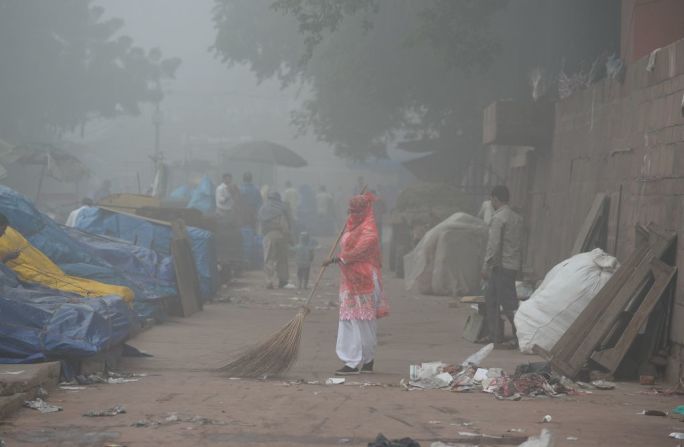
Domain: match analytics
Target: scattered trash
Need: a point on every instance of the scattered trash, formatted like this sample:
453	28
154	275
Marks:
516	430
430	375
543	440
382	441
11	373
174	418
546	419
479	357
42	406
119	380
678	410
468	434
344	441
118	409
335	381
290	286
653	413
434	422
572	438
72	388
603	385
111	378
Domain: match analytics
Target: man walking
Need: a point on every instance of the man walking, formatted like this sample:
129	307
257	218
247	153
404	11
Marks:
502	262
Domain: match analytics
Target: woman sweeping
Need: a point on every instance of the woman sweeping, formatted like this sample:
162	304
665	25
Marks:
362	300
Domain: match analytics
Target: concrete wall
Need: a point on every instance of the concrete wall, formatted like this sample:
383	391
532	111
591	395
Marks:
609	138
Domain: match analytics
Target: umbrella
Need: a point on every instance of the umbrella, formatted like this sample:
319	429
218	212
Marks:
266	152
58	163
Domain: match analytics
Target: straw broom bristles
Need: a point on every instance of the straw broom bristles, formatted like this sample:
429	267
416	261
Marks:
272	357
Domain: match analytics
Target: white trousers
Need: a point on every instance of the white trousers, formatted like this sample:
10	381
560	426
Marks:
356	341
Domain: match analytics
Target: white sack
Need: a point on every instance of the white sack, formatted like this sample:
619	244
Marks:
448	259
561	297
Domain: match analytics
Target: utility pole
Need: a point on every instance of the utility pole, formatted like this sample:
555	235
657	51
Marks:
157	120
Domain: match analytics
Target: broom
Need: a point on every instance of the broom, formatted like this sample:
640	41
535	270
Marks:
277	354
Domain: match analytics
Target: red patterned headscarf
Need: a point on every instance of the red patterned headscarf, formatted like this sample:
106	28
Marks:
360	210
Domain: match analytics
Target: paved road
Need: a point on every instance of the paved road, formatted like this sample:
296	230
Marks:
182	402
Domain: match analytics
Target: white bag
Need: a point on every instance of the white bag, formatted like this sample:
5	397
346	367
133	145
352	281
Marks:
448	259
566	290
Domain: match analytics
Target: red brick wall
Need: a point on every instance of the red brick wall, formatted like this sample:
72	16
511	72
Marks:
613	135
650	24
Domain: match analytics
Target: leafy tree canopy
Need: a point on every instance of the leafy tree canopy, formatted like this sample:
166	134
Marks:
62	63
377	71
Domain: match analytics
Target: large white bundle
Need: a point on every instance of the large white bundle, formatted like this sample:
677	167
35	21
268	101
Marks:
448	259
561	297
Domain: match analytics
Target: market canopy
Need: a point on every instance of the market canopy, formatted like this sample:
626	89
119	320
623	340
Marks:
59	164
266	152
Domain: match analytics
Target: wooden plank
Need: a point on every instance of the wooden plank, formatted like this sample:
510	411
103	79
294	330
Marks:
606	319
594	219
473	299
187	279
611	358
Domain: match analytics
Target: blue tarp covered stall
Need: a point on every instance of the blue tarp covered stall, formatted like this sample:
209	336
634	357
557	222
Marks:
71	255
156	236
39	324
150	269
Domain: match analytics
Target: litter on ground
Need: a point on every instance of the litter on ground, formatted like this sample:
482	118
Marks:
42	406
117	409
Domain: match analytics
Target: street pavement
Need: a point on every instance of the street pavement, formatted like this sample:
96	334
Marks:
182	401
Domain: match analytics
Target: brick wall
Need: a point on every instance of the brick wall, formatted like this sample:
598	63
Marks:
613	137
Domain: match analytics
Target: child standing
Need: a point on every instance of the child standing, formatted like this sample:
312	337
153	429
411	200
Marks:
304	256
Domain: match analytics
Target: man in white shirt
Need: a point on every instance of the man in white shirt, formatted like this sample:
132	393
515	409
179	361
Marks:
224	197
73	216
291	198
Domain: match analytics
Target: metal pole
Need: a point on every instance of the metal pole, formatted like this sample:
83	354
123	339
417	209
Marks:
157	125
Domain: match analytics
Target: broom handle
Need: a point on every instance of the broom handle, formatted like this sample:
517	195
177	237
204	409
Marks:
330	255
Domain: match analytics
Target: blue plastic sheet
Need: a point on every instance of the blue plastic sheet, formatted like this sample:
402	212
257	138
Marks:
148	267
182	194
203	197
148	234
71	255
39	324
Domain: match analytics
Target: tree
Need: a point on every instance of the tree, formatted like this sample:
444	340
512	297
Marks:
377	71
63	64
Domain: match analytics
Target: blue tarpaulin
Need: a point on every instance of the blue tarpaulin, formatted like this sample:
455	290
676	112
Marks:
156	236
71	255
148	267
38	324
203	197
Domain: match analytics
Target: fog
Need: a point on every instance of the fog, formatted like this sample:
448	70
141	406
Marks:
206	102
